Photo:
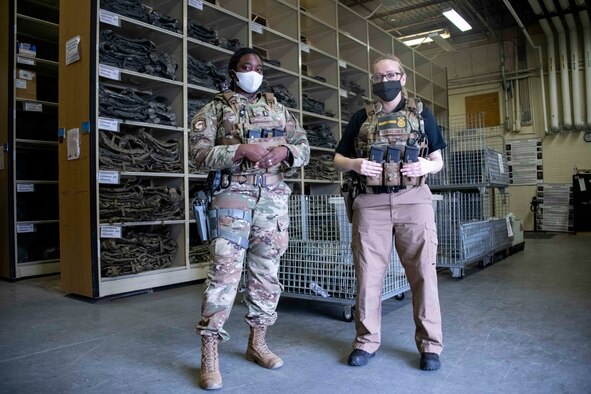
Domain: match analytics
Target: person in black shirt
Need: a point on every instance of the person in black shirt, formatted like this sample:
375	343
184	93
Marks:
388	148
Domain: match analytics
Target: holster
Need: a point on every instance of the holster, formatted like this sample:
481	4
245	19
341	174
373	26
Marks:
200	211
348	197
392	174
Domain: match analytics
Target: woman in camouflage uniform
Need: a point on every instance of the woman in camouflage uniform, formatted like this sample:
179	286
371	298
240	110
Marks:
252	139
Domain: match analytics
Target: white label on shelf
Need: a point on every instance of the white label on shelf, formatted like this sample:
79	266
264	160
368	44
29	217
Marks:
500	159
256	27
305	47
25	60
343	92
108	177
72	51
109	18
196	4
342	64
509	227
25	187
25	228
108	124
33	107
25	74
582	184
110	231
73	137
109	72
20	84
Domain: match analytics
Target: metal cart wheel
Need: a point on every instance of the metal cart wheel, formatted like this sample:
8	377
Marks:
399	297
349	313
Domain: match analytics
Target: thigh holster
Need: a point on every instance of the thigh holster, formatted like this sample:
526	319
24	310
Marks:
239	237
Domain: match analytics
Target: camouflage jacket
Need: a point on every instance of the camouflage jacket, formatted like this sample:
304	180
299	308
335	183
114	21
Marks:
218	129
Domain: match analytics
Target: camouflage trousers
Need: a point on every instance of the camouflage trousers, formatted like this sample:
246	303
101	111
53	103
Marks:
268	239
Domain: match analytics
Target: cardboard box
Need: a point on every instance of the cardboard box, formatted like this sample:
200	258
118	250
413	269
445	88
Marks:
26	84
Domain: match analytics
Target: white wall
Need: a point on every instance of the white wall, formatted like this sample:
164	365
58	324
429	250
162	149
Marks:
476	69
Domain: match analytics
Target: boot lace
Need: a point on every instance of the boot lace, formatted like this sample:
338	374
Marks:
209	354
259	340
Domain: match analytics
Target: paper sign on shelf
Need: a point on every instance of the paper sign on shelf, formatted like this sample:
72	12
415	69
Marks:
109	72
108	124
25	60
25	228
109	18
33	107
25	187
196	4
582	184
108	177
305	47
256	27
343	92
72	50
25	74
342	64
73	138
110	232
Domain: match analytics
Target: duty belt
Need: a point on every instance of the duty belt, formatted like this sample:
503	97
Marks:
383	189
261	180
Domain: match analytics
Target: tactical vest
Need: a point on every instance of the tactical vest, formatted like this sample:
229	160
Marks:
392	139
250	124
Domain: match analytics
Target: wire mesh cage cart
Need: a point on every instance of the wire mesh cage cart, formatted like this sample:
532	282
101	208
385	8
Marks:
318	264
472	227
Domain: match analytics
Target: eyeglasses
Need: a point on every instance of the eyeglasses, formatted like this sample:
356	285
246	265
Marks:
393	76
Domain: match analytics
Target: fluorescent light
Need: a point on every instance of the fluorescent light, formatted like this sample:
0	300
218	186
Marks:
418	39
457	20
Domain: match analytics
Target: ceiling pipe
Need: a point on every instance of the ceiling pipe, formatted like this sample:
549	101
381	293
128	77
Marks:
574	64
567	117
539	48
586	58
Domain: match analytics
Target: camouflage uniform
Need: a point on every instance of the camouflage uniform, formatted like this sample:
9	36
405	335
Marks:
216	132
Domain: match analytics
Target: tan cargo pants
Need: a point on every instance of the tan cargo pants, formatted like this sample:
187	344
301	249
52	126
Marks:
405	219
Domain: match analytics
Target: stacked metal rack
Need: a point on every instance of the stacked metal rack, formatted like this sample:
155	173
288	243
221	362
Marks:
318	264
473	221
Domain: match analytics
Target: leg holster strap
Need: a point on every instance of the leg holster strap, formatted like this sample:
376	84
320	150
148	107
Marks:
238	237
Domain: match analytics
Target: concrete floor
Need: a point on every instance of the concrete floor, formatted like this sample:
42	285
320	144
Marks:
521	325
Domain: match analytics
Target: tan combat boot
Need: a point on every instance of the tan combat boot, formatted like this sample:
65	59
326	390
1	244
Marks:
210	377
257	350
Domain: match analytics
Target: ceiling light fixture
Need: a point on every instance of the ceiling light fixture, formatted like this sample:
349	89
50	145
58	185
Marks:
417	39
457	20
440	40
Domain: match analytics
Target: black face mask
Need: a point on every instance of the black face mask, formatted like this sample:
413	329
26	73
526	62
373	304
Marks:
387	91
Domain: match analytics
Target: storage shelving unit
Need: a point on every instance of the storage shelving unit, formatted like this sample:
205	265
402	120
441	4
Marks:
321	52
29	171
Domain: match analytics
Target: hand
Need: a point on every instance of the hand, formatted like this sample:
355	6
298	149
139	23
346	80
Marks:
252	152
417	169
273	157
367	168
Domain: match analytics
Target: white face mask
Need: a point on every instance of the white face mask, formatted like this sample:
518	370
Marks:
249	81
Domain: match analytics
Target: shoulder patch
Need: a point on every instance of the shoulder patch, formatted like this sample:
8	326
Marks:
199	125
